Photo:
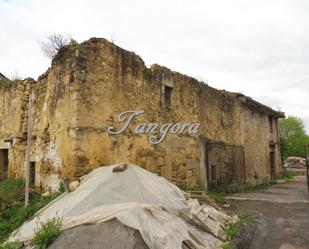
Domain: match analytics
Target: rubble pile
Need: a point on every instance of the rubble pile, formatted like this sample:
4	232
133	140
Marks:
123	195
295	163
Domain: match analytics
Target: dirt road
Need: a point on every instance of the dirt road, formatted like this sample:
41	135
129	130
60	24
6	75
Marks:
282	213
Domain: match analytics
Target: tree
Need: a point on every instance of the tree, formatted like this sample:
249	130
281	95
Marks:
293	137
53	43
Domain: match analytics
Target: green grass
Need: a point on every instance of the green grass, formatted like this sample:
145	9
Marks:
11	246
250	187
9	189
232	231
12	211
218	197
227	246
47	233
286	175
246	219
219	193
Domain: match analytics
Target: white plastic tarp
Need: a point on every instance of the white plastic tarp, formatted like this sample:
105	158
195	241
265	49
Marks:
137	198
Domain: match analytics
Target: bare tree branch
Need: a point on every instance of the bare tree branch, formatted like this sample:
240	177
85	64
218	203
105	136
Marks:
53	43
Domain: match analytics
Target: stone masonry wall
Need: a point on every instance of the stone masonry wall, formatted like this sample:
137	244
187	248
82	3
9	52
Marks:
90	84
256	135
13	123
111	80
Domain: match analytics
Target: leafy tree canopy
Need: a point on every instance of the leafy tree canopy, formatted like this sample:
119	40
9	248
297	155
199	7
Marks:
293	137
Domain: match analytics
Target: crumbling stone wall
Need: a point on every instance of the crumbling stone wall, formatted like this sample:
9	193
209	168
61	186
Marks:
86	89
55	112
259	139
13	123
111	80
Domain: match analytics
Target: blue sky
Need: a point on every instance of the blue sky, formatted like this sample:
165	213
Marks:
256	47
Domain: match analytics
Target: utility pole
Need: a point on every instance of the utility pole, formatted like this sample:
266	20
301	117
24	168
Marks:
307	164
28	150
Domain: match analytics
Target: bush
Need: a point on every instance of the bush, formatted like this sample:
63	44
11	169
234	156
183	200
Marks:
227	246
232	231
47	233
12	211
285	174
5	83
218	197
11	189
11	246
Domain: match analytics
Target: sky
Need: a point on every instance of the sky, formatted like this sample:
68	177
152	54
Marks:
257	47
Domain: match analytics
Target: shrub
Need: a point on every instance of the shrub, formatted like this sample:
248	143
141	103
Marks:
218	197
232	231
5	83
285	174
227	246
10	189
11	246
12	211
47	233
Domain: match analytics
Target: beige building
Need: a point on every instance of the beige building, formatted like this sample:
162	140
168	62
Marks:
90	84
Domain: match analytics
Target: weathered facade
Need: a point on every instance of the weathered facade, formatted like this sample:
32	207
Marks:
90	84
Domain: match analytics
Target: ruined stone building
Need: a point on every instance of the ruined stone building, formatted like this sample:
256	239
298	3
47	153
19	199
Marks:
90	84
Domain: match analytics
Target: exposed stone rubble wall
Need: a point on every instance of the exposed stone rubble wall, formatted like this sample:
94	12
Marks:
86	89
259	139
13	123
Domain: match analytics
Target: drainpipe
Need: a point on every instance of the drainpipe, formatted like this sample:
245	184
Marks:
307	164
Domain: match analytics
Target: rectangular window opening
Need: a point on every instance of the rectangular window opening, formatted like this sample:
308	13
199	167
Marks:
32	174
167	95
4	163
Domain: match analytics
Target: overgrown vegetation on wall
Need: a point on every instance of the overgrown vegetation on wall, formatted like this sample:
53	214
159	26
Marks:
5	83
293	137
54	43
12	211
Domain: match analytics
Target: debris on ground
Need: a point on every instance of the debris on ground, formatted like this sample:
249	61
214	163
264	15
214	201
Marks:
125	195
73	185
295	163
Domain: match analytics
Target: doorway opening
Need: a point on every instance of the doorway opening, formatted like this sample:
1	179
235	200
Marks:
4	163
225	165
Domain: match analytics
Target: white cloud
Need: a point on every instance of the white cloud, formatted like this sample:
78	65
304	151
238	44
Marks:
257	47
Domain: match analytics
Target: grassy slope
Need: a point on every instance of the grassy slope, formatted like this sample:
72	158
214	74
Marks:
12	210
